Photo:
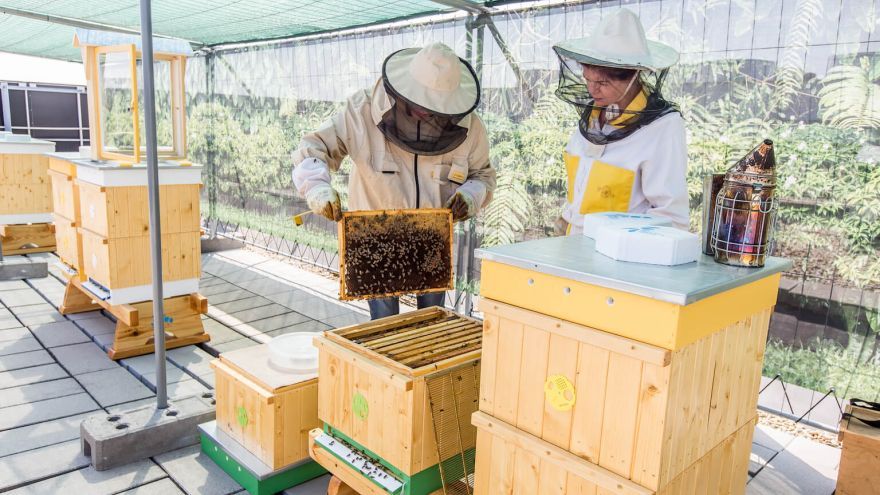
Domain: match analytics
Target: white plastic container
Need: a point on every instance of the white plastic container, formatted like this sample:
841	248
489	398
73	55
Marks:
294	353
593	221
655	245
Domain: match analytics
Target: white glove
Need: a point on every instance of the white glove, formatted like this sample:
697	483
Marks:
324	201
462	205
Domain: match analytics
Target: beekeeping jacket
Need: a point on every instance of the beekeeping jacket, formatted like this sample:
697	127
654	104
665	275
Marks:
641	173
384	175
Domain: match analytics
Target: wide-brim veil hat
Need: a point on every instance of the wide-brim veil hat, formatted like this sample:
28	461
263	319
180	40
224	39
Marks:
434	78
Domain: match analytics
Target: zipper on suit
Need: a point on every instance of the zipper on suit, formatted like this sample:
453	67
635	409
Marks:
416	162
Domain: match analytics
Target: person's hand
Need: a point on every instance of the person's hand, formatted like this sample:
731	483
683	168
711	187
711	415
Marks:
462	206
560	227
324	201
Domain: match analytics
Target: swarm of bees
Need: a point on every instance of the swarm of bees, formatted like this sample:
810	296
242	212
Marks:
386	253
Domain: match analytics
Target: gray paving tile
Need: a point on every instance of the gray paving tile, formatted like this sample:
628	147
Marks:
279	321
140	365
307	326
86	315
114	386
27	376
234	345
13	285
239	276
21	297
173	374
255	314
208	379
25	360
39	391
60	333
26	467
25	344
185	388
265	286
218	289
98	326
219	332
229	296
210	281
345	320
317	486
196	472
91	482
290	296
162	487
191	358
804	467
318	308
8	321
15	333
130	406
47	410
40	434
242	304
105	341
83	358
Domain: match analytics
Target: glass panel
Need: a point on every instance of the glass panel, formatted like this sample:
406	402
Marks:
114	89
164	115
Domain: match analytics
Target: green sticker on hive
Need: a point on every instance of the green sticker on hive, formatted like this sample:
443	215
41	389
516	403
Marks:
360	406
242	416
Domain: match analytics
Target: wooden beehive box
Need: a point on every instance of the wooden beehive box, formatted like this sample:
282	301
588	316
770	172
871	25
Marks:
65	201
267	411
25	191
373	391
860	456
636	410
393	252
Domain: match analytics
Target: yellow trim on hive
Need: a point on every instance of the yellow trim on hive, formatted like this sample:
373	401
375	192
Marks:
640	318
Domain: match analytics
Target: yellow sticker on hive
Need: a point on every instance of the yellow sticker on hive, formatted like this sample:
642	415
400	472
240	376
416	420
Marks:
608	188
559	392
571	169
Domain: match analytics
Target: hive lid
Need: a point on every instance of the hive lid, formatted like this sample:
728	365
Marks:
294	353
254	363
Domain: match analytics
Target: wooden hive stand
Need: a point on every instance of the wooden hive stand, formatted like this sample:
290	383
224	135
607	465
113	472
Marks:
382	392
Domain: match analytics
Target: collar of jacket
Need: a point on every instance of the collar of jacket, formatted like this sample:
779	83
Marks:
381	103
637	105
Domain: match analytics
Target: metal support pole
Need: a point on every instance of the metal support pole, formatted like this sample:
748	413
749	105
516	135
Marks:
153	192
7	111
210	62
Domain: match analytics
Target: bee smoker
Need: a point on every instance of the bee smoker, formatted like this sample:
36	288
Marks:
711	187
745	210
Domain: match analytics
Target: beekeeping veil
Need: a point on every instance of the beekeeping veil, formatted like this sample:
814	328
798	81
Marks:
618	42
431	91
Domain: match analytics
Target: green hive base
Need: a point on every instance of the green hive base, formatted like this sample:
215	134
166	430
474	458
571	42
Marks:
247	470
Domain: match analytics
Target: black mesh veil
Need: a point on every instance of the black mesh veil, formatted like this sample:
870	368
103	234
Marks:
573	89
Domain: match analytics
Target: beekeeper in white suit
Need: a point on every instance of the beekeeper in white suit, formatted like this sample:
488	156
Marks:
415	143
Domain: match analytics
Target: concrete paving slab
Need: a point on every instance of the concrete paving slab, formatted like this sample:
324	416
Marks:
307	326
804	467
345	320
185	388
113	386
196	472
8	321
759	457
26	467
318	308
92	482
13	334
243	257
243	304
209	281
13	285
39	391
58	334
142	365
218	289
162	487
265	286
83	358
219	332
191	359
88	315
27	376
244	275
35	310
173	374
234	345
207	379
97	326
128	406
317	486
39	435
24	344
255	314
279	321
21	297
47	410
25	360
291	295
229	296
105	341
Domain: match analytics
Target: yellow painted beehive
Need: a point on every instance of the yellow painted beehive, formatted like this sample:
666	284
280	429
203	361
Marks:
267	411
374	378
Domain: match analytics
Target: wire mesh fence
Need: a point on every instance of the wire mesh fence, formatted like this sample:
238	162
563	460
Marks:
801	72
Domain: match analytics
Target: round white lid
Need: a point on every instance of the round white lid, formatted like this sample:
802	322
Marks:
294	352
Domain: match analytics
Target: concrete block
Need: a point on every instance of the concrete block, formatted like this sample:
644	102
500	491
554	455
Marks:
39	391
242	304
25	360
21	297
47	410
191	359
279	321
135	404
17	268
98	326
24	344
26	467
186	388
113	386
27	376
14	334
41	434
128	436
196	472
93	482
82	358
307	326
162	487
58	334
